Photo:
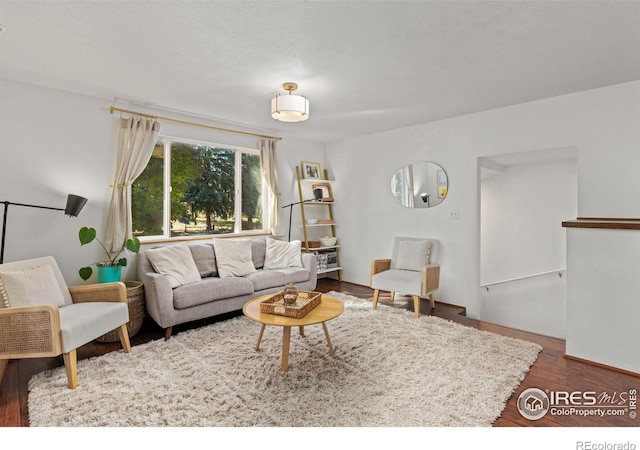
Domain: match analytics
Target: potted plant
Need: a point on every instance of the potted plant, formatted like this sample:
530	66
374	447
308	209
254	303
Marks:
109	269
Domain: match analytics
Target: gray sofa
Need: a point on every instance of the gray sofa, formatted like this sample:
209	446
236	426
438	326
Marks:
212	295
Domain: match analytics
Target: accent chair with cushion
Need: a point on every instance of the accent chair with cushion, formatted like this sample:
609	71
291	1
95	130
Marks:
41	317
411	270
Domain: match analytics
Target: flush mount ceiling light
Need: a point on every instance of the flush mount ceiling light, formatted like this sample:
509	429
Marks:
290	108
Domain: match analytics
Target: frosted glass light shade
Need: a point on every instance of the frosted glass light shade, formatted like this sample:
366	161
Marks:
290	108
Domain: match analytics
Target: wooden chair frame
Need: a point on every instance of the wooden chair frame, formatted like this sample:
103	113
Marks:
34	331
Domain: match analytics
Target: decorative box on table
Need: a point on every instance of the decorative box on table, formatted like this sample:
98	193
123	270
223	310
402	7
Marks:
305	302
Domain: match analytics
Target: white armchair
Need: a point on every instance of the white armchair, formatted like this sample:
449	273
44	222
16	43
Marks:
41	317
411	270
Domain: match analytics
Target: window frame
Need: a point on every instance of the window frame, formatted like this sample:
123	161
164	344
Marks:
167	141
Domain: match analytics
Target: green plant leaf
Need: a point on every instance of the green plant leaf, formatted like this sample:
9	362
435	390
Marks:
133	245
85	273
86	235
122	262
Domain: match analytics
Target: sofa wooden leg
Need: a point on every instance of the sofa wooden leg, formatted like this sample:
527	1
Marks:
167	333
70	364
433	301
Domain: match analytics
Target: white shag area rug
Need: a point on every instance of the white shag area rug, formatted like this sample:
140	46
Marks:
389	369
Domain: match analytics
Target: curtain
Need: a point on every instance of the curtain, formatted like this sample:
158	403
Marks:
269	173
407	187
138	136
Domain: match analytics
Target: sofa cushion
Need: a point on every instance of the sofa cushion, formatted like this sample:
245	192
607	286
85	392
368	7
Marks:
210	289
282	254
295	275
176	263
265	279
205	259
233	257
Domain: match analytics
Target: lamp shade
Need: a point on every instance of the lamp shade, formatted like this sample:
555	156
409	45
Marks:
290	108
75	203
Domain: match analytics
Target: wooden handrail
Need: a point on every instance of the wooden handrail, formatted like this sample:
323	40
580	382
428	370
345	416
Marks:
611	223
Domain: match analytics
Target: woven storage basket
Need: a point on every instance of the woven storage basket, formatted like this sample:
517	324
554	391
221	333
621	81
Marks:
135	297
306	302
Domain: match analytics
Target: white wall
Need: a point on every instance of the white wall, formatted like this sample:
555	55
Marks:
54	142
602	124
602	296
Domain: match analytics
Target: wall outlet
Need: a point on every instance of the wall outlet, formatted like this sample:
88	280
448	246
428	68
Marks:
454	214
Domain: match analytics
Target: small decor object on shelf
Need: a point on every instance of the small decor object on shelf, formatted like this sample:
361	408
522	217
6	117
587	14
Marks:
322	261
328	241
327	194
311	170
290	294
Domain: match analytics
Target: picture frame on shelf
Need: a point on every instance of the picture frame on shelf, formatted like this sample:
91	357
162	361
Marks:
327	193
311	170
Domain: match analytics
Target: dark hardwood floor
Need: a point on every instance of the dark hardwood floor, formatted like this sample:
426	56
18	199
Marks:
551	371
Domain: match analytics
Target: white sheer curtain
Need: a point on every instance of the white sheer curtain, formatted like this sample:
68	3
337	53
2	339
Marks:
138	136
268	164
407	187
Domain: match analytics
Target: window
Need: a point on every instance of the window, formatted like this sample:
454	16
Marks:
195	188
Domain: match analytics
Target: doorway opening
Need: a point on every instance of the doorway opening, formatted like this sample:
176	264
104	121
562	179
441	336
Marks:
524	197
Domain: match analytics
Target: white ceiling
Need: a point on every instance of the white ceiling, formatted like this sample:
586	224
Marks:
365	66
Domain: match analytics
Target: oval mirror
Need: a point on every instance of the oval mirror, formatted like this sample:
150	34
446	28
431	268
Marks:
420	185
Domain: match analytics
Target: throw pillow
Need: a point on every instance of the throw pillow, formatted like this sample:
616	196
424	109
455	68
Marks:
258	248
176	263
412	255
29	287
282	254
3	295
233	257
205	259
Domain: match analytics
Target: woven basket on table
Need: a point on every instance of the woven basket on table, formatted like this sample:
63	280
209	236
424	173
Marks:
305	302
135	297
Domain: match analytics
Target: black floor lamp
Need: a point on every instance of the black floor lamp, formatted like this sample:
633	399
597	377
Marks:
318	198
75	203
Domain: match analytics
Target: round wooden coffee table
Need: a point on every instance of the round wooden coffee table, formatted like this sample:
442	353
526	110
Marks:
329	308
